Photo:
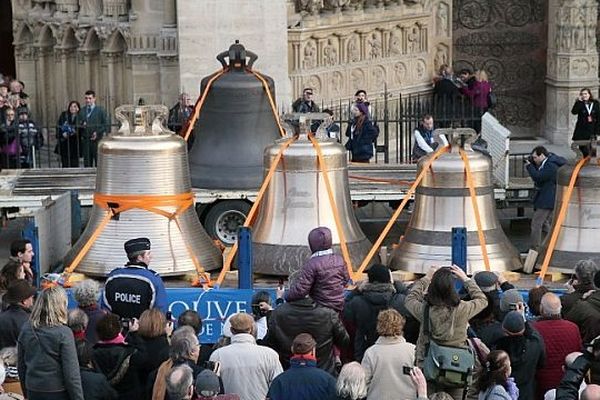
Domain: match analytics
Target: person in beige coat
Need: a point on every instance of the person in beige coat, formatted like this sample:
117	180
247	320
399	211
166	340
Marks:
448	315
386	361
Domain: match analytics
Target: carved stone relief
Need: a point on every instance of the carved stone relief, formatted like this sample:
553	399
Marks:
368	44
507	39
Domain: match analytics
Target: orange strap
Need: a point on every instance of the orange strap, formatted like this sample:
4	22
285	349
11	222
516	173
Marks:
150	203
271	101
336	214
381	180
471	184
396	214
254	209
192	121
560	218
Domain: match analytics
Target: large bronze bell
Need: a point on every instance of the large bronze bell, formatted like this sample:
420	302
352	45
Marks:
235	124
442	201
297	201
143	189
577	238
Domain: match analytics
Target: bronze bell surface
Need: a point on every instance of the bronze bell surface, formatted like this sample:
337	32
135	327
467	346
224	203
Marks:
235	124
442	201
143	189
297	201
577	238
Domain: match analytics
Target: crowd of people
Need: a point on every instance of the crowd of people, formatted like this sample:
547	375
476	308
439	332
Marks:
382	339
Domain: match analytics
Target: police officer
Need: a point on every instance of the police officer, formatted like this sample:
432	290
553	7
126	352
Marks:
132	289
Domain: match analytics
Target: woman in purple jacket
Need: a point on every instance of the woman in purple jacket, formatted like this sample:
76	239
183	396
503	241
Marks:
478	93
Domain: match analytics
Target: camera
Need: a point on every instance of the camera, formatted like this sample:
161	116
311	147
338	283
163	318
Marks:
125	322
528	159
406	370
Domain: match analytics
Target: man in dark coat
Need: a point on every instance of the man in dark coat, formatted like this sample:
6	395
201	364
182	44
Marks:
180	113
364	304
305	104
581	282
542	167
19	298
303	381
525	348
586	313
305	316
95	125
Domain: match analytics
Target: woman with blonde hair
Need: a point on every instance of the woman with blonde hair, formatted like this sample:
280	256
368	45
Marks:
352	382
479	94
47	359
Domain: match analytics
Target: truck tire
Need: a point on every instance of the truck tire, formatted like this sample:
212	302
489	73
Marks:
224	218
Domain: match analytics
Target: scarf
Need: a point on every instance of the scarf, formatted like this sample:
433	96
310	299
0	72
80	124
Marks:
119	339
160	384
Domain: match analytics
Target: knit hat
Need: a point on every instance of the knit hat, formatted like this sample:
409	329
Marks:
319	239
303	344
510	297
513	324
486	280
207	383
363	107
379	274
18	291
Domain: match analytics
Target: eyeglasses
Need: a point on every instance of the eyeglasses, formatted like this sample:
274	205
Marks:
308	93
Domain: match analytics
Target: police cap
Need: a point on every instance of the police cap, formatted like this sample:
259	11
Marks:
137	245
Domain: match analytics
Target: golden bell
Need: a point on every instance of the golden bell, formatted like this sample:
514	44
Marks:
577	239
442	201
297	201
143	189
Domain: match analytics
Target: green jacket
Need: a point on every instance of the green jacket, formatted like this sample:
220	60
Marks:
96	121
448	326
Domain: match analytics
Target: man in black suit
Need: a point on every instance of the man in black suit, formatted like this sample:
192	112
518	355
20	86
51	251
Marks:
95	125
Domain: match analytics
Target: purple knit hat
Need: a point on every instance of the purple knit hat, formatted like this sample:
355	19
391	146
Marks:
363	108
319	239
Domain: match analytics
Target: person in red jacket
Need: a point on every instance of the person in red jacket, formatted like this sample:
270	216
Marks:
561	337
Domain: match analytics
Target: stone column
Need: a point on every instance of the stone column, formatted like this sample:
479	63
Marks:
169	14
572	63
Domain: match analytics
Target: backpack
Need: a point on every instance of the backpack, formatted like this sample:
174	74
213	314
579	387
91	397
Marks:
449	367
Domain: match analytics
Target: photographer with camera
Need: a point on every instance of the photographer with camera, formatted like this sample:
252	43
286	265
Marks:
542	166
577	371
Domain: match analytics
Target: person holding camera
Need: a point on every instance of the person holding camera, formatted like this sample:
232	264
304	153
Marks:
576	372
134	288
587	110
542	167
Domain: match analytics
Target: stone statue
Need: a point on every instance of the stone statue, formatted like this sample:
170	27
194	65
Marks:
442	19
375	43
353	51
330	53
311	7
414	39
441	57
310	55
399	73
334	5
395	47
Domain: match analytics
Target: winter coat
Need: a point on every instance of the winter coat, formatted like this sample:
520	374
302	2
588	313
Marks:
158	350
586	314
544	178
47	361
121	363
568	389
11	322
363	307
447	326
568	300
302	106
383	363
95	314
496	392
478	93
324	278
247	369
561	337
361	139
584	129
447	102
96	386
305	316
303	381
527	355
